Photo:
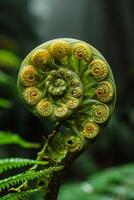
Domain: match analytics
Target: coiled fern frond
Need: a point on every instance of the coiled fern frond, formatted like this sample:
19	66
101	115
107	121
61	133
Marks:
70	83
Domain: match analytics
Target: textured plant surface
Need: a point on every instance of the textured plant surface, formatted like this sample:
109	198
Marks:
70	83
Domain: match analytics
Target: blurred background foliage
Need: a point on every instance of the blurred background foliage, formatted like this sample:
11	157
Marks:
107	25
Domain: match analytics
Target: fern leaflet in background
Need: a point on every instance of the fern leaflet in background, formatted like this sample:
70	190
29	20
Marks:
112	184
4	103
10	138
8	59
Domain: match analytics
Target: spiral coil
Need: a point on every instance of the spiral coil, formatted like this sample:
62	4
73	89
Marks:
68	80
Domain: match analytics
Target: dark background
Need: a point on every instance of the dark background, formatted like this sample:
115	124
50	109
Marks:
108	25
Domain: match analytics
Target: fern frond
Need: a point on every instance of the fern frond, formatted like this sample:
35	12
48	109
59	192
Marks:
28	175
12	163
21	195
10	138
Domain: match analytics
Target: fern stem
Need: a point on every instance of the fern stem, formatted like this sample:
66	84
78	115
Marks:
53	186
54	183
41	153
53	193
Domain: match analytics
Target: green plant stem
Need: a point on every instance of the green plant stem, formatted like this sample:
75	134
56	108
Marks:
41	154
54	182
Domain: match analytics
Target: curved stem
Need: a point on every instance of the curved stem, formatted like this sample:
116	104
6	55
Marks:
41	153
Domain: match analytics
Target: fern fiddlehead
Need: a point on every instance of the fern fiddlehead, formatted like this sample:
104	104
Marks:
70	83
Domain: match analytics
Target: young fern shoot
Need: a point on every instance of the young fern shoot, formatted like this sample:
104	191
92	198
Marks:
70	83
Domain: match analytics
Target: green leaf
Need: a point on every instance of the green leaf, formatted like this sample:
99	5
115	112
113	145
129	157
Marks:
9	59
12	181
4	103
12	163
10	138
6	79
